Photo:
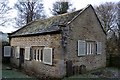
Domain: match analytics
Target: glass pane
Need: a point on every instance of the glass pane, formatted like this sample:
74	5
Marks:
35	54
38	55
81	47
47	56
41	57
88	48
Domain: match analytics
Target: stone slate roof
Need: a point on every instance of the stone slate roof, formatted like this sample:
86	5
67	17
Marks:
49	25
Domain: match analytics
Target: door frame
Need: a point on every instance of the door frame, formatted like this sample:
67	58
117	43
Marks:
21	59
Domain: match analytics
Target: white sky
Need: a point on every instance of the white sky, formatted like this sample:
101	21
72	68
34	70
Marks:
78	4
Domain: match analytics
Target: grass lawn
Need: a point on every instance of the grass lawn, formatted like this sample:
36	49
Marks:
99	74
14	73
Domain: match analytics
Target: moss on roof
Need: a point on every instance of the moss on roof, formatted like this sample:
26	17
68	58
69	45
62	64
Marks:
39	25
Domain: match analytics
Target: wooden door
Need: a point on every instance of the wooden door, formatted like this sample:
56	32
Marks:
21	61
69	69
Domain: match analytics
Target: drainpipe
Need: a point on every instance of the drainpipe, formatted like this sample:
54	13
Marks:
62	41
64	37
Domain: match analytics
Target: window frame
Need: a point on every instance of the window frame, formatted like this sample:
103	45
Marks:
8	53
37	50
99	50
27	53
34	54
78	53
17	52
92	44
51	58
91	48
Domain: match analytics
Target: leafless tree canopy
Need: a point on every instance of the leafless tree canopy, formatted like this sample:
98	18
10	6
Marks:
4	8
107	15
29	11
118	17
118	23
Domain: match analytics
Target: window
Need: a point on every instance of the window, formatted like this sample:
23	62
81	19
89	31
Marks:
47	55
34	54
89	47
7	51
27	53
99	47
37	54
81	48
17	52
42	54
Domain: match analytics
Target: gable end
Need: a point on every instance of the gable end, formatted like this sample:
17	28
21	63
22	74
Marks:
95	16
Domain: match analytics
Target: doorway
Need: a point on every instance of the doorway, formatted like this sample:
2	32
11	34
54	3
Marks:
21	61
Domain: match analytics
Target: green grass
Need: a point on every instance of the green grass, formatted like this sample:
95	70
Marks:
89	76
14	73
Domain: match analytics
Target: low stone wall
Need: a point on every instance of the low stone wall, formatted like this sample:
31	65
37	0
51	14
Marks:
39	68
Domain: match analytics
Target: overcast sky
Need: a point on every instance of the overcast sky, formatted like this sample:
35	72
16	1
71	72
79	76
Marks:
78	4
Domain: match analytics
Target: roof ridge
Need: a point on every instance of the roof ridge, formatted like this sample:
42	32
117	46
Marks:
79	13
47	19
51	21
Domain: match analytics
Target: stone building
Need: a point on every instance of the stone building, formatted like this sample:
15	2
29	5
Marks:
55	46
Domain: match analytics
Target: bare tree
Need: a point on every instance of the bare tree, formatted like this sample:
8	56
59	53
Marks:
29	11
61	7
4	9
107	15
118	23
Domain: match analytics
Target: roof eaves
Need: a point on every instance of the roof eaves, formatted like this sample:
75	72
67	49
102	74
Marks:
36	34
23	27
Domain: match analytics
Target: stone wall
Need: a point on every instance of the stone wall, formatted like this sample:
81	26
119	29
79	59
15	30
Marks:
86	27
52	41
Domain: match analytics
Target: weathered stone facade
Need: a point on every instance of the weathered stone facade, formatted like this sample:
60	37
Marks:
83	26
86	27
52	41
